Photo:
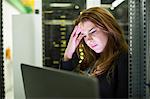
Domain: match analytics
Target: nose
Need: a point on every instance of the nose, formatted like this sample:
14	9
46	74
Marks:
89	37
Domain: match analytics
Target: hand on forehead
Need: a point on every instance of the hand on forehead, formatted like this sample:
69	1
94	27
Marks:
81	27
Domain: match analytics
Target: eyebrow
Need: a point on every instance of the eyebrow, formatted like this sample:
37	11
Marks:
91	29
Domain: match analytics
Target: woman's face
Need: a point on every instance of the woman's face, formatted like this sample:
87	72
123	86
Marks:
94	37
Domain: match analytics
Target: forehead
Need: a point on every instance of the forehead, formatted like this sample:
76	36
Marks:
86	26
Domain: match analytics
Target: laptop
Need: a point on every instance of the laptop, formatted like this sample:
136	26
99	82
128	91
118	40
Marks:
52	83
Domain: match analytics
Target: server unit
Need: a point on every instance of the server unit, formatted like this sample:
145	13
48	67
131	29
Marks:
57	24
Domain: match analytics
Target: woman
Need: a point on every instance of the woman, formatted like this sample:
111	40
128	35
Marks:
102	51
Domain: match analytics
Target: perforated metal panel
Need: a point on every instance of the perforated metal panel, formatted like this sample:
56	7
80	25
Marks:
143	46
148	49
138	49
1	57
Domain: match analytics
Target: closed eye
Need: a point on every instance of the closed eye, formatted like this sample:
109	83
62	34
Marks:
90	33
93	31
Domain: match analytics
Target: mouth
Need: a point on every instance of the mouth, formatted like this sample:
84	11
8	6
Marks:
94	45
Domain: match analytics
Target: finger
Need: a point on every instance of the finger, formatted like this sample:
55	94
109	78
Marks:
80	37
74	31
78	32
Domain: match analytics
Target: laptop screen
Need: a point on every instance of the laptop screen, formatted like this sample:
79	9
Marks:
52	83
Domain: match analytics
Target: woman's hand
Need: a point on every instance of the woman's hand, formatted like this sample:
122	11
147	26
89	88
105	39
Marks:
74	41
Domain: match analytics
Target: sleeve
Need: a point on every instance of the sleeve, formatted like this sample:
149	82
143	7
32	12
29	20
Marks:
122	86
69	65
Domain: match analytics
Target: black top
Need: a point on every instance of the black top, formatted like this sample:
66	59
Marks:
111	84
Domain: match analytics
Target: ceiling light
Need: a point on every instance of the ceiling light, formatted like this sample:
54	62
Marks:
116	3
60	5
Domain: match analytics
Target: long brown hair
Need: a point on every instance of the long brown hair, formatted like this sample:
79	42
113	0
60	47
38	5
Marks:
115	45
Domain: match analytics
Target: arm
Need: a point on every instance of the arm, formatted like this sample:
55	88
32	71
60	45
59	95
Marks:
70	64
70	59
74	41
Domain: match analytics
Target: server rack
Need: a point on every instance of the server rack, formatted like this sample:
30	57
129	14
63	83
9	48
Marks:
139	49
2	93
57	24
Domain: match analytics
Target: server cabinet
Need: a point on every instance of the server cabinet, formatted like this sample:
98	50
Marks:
139	29
57	24
2	92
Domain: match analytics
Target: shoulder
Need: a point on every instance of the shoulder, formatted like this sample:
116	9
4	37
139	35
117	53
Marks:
123	56
122	60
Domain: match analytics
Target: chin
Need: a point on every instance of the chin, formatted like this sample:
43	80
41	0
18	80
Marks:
97	51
